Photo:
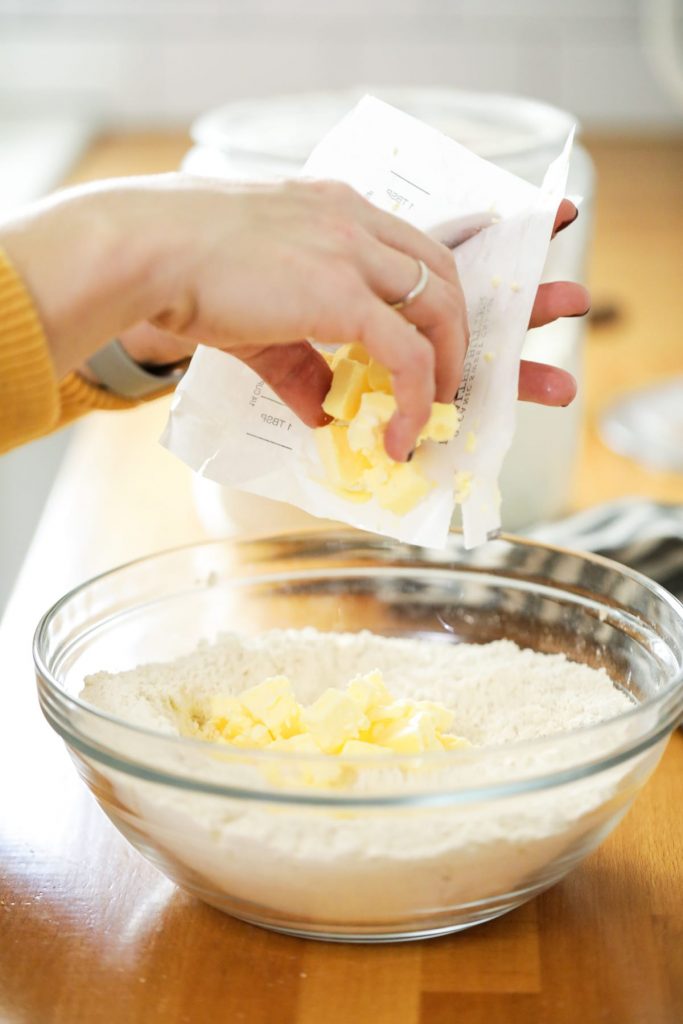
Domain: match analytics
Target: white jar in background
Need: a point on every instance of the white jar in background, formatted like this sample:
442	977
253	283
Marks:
266	139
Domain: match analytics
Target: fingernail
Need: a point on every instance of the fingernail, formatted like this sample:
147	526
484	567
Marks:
585	313
566	223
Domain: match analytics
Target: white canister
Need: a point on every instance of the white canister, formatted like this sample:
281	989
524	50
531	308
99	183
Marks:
267	139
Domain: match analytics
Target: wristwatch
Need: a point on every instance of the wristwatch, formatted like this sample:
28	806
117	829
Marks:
118	372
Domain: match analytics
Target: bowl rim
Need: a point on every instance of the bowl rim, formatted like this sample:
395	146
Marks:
536	780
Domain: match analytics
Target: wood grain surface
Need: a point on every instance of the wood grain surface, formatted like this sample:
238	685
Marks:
91	934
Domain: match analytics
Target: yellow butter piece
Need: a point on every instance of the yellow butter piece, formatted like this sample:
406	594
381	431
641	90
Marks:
229	717
352	450
343	467
333	719
403	490
273	704
443	717
379	377
365	720
303	772
352	350
414	734
349	381
256	736
391	711
442	423
303	743
366	429
369	692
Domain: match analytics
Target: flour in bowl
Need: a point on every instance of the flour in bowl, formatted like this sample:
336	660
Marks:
366	866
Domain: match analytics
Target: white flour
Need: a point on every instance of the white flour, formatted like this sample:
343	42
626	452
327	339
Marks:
379	865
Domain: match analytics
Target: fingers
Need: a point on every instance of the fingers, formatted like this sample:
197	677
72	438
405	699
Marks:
301	378
561	298
438	312
297	373
400	235
545	385
410	359
566	215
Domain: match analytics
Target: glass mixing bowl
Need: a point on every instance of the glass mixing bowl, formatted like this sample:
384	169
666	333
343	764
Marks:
424	845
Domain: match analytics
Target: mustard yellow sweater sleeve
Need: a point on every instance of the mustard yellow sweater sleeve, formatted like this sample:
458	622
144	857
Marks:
32	401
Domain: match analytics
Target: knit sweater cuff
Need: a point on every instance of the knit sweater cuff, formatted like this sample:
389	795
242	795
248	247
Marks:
29	399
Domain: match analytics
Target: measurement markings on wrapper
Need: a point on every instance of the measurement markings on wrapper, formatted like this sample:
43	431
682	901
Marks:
269	425
398	201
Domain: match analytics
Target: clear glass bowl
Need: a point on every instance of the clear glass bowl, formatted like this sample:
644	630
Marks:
426	845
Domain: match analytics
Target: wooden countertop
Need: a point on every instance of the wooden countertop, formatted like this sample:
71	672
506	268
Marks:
90	933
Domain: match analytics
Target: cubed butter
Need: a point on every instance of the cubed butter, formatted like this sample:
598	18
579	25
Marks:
403	490
379	377
352	350
442	423
366	429
343	467
349	382
369	691
413	734
365	720
333	719
274	705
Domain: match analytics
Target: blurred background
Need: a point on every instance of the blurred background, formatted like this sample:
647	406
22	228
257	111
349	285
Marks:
81	73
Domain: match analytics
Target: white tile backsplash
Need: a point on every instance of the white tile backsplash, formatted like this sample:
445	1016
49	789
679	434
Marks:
166	60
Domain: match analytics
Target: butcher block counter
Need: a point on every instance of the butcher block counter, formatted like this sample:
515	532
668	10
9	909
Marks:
90	933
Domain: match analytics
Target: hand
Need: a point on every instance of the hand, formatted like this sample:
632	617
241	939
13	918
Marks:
254	270
301	377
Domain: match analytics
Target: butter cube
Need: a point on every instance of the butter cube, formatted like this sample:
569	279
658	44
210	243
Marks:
443	717
349	381
256	736
442	423
405	487
376	477
365	429
413	735
303	743
392	711
334	718
343	467
352	350
379	377
229	716
369	691
273	704
302	772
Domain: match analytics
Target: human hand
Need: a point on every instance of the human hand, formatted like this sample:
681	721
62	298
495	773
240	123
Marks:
255	270
301	376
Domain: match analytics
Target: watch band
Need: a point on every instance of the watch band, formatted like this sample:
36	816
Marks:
117	372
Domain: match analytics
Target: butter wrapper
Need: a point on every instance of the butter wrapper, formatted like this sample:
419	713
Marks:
227	425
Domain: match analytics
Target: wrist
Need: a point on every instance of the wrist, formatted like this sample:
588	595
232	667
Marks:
91	270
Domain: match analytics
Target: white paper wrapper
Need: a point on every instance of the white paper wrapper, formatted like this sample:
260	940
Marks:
230	427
